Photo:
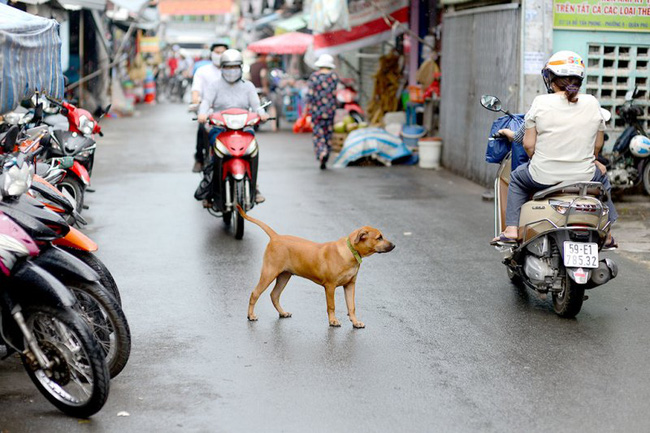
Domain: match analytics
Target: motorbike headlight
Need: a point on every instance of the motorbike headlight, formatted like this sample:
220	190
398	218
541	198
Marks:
221	149
560	207
16	180
86	125
235	121
252	149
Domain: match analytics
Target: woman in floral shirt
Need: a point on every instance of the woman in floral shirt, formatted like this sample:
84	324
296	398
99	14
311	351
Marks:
321	104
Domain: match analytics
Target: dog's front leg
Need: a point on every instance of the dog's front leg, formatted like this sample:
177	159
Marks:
331	316
349	301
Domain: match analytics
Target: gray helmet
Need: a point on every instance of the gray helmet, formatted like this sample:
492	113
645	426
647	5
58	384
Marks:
231	57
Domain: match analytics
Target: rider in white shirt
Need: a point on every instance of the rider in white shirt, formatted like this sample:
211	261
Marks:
203	79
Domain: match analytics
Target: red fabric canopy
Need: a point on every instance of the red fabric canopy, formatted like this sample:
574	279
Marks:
286	43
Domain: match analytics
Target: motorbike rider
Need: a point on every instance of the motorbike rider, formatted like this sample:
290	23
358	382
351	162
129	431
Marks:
564	132
231	91
203	77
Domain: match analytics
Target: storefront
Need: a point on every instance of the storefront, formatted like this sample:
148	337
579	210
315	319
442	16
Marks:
614	38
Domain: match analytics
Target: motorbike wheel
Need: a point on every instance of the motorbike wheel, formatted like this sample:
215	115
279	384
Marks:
515	279
78	382
237	219
76	189
568	302
107	322
105	277
646	178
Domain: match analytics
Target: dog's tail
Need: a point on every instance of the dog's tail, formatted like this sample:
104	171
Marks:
269	231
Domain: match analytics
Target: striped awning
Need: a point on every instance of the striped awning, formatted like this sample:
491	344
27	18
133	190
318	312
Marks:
30	57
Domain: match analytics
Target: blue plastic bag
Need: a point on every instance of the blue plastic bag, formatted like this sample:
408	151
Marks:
498	148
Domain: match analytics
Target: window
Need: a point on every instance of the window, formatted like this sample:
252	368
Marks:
613	70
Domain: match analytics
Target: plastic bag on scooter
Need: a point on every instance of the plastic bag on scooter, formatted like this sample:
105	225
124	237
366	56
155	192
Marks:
498	148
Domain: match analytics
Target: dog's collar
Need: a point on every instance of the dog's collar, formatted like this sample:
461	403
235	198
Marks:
354	252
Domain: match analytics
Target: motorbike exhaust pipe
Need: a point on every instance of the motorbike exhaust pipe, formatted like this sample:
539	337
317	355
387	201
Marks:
607	270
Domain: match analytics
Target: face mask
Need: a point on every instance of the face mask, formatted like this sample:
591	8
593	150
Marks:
231	75
216	59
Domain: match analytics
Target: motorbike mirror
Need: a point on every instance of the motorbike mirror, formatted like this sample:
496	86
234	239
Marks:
9	140
490	102
38	113
105	111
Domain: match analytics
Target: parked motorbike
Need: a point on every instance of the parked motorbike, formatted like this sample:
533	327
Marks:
76	141
95	302
235	168
628	165
563	231
347	98
38	321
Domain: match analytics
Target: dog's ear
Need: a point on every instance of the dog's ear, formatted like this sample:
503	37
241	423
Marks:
362	235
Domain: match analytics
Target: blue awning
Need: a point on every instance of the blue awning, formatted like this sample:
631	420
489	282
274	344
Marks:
30	57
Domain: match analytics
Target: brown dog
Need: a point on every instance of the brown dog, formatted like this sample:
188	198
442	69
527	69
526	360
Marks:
330	265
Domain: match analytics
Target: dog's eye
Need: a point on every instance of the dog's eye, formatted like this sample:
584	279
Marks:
380	238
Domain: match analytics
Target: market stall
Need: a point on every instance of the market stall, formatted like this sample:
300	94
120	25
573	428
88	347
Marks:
30	57
286	43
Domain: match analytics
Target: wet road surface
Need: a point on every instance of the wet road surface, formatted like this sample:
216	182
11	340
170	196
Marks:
449	344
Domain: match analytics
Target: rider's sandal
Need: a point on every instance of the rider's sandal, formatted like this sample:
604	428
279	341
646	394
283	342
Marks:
611	245
504	240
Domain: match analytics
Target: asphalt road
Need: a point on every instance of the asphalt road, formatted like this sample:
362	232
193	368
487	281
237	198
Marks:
449	344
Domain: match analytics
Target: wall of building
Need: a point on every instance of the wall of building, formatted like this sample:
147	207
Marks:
480	55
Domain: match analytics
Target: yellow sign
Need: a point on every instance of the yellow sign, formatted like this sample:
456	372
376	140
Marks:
611	15
149	44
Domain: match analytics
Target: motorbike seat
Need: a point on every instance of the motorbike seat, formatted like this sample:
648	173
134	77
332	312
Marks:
595	189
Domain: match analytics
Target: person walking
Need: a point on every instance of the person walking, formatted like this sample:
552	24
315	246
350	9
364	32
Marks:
321	104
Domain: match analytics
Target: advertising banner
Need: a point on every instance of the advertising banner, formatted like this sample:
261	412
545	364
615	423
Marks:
609	15
369	24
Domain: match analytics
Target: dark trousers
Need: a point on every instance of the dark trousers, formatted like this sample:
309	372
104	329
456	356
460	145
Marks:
202	144
522	186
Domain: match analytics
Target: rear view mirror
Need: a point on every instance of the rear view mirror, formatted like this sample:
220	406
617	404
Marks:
8	141
490	102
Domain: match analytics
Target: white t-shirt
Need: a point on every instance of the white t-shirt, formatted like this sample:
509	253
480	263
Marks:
203	76
566	137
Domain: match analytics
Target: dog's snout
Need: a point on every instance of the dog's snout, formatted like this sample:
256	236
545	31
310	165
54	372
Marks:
391	247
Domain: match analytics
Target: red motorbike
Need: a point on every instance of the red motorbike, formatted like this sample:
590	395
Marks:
347	98
234	176
75	139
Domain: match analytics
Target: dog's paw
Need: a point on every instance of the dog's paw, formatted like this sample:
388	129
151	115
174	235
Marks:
335	323
285	315
359	325
252	318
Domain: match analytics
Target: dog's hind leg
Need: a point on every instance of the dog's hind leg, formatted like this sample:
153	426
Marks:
267	277
280	284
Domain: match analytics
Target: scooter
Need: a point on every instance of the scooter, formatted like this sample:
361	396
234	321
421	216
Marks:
563	230
626	167
234	173
38	321
96	303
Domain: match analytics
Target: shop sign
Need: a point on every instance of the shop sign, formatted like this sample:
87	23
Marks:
609	15
149	44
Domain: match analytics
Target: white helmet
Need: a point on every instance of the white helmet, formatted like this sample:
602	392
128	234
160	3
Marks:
231	57
640	146
563	64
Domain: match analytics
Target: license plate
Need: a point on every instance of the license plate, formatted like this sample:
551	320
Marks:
580	255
